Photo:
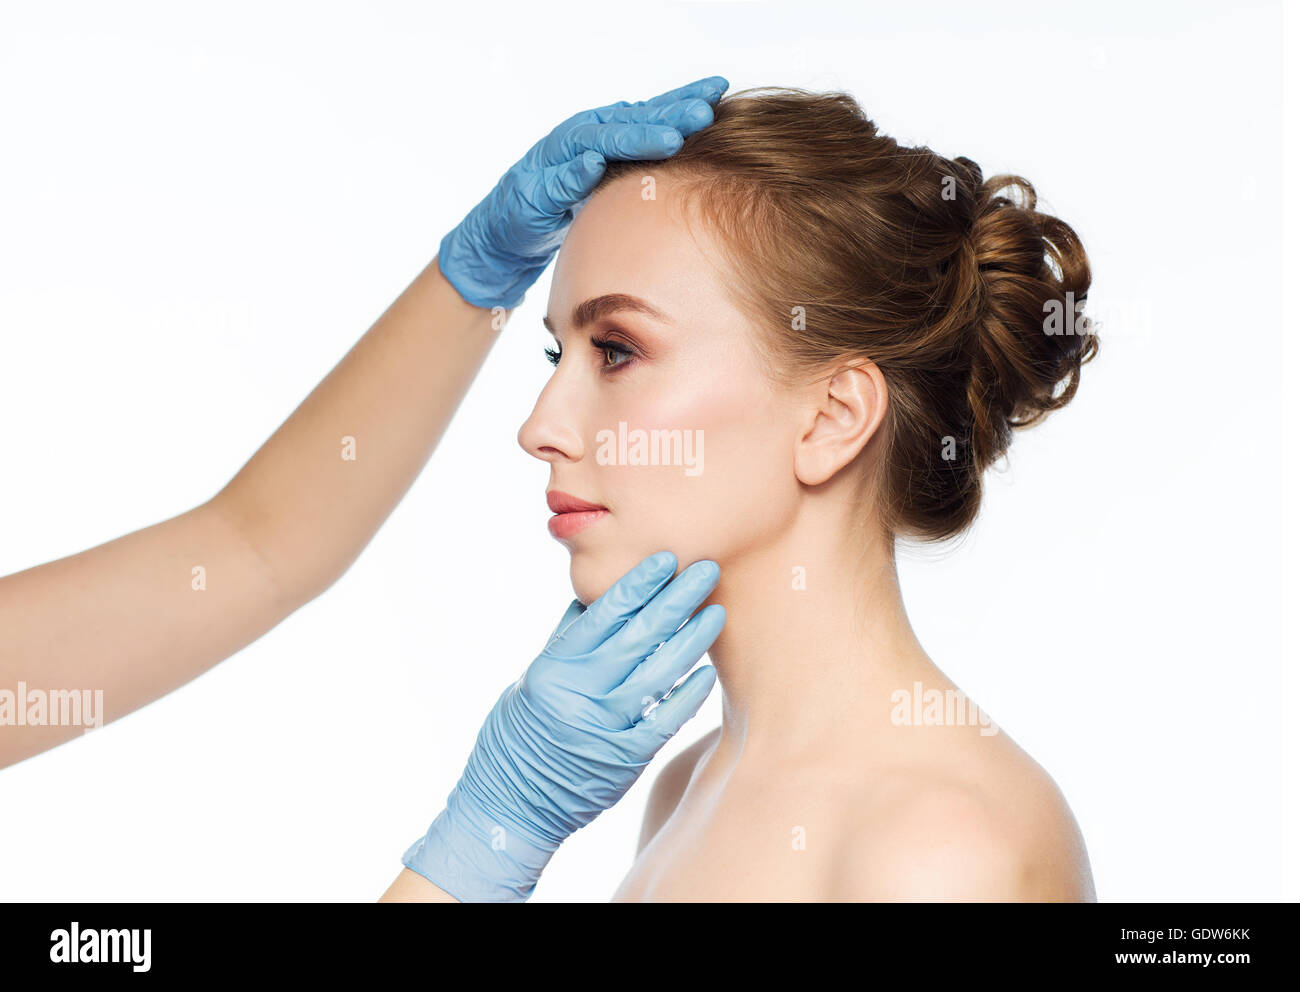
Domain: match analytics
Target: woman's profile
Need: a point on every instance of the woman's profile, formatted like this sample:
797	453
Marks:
848	331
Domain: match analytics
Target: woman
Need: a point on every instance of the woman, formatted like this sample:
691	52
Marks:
849	330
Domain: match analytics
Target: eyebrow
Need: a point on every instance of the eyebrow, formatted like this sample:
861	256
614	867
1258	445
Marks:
592	310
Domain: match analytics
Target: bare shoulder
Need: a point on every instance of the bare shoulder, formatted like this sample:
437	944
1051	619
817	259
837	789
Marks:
996	829
669	785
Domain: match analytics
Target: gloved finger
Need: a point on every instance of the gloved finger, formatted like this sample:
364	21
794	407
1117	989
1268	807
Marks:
709	88
572	613
659	673
671	715
615	607
635	142
664	614
687	116
562	186
687	109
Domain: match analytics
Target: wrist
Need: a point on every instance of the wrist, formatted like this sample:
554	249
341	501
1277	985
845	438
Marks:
471	856
483	277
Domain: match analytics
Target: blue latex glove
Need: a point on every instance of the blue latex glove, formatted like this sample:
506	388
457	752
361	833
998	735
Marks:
505	242
567	740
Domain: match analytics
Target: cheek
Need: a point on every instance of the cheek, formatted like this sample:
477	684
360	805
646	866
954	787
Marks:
732	487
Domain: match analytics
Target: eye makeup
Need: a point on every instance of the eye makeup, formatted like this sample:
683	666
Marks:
616	353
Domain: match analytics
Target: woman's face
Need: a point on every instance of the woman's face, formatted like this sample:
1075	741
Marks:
669	423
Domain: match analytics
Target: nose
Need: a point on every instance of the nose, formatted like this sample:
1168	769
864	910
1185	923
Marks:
550	432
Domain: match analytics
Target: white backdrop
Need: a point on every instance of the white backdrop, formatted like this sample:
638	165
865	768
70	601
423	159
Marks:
201	211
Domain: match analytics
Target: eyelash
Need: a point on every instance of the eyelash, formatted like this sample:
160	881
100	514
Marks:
600	344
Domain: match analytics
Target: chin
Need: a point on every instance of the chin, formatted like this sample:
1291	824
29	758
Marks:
593	571
591	574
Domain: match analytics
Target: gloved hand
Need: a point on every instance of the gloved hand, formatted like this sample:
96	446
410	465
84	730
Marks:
568	739
505	242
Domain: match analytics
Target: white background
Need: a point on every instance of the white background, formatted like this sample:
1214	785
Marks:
201	211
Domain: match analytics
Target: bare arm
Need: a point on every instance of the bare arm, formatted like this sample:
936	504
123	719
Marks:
411	886
134	618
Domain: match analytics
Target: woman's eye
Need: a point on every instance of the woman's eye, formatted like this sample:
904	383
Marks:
614	354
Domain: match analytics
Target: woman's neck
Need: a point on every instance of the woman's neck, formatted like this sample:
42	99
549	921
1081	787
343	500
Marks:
815	642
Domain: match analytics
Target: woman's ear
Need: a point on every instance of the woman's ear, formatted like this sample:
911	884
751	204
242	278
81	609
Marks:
845	411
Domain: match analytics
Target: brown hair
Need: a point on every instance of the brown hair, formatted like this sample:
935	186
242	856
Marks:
942	279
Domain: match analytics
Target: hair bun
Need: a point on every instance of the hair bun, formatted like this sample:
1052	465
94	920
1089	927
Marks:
975	174
1030	338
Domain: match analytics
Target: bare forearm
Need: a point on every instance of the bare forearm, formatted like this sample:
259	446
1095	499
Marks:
139	616
124	623
315	493
411	886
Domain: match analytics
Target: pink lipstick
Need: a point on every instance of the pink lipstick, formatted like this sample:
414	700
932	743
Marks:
571	514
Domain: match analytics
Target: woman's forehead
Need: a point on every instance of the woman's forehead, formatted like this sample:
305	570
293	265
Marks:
622	244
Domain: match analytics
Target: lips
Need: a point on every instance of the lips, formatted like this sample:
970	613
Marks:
564	503
571	514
